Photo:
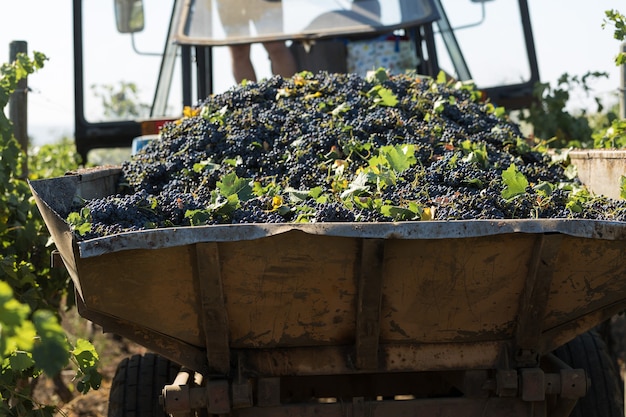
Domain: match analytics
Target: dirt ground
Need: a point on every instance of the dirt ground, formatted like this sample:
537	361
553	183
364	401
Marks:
112	350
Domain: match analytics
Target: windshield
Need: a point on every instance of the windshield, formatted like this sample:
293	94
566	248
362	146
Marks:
124	78
220	22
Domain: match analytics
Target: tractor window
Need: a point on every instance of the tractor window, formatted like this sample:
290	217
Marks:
121	70
491	36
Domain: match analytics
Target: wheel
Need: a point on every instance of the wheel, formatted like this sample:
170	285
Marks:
605	397
137	385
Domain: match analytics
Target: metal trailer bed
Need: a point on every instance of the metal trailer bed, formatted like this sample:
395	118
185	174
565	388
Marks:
440	318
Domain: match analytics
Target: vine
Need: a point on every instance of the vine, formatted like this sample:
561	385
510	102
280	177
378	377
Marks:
32	341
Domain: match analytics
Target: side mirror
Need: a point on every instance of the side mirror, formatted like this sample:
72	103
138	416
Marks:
129	16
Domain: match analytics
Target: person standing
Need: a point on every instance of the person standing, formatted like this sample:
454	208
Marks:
267	17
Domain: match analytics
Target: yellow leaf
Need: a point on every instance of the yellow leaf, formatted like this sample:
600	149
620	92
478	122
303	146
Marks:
277	201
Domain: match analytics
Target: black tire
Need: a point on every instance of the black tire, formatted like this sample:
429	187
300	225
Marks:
605	396
137	385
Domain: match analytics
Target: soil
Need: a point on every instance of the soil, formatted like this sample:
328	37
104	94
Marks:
113	349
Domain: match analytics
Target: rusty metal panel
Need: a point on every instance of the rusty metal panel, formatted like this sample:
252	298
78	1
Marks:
151	290
453	289
589	276
291	289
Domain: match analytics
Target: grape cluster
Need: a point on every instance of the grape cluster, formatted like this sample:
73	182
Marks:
295	133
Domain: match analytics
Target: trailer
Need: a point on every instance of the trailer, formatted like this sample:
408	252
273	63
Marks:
441	318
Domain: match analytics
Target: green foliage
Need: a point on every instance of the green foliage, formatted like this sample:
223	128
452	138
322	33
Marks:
618	21
121	103
613	137
32	341
554	124
86	359
550	118
53	160
79	222
515	183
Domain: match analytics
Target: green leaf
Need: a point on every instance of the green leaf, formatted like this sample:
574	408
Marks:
79	221
340	109
205	166
413	212
544	188
12	312
475	153
622	190
51	353
515	182
198	217
231	184
21	361
87	360
91	379
439	105
298	196
377	76
357	187
218	116
387	97
382	96
399	157
85	354
577	199
442	78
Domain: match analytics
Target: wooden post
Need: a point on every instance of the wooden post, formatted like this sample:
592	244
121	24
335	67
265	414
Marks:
18	103
622	89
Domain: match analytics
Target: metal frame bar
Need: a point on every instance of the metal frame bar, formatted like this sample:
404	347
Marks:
370	281
214	317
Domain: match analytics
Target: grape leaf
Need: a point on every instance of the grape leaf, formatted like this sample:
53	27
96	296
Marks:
20	361
515	182
399	157
231	184
87	359
51	353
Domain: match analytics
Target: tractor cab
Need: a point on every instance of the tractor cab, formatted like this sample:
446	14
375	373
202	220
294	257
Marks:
138	64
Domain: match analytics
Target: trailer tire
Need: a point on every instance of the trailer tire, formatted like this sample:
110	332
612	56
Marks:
137	385
605	396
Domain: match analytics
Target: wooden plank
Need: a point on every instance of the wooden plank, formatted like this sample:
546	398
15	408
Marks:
370	281
214	318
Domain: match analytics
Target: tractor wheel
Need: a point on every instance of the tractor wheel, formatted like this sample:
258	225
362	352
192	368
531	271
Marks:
137	385
605	396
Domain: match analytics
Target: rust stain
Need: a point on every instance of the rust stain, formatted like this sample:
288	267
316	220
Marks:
395	327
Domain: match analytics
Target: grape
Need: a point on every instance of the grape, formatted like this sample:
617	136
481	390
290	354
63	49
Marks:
321	132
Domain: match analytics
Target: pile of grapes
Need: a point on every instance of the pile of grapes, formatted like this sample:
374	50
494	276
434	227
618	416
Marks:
340	148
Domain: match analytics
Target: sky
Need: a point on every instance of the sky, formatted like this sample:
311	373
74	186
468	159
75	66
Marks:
569	38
